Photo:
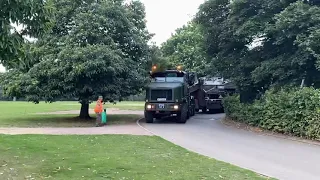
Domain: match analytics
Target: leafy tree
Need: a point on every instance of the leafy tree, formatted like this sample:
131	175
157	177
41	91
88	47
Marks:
95	48
226	48
33	15
286	53
186	48
157	58
287	62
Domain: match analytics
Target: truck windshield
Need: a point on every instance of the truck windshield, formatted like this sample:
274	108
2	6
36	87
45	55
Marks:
168	77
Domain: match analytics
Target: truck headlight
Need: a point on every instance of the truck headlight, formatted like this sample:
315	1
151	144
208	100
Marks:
176	107
149	106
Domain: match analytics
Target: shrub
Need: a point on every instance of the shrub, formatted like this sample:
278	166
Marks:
295	112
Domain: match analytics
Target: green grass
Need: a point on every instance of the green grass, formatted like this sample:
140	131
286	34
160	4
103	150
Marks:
22	114
108	157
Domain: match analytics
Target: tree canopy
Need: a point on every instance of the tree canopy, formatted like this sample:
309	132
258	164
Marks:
33	16
186	48
94	48
100	47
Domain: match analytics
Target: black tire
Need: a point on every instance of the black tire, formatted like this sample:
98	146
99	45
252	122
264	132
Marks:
193	111
148	117
197	110
188	113
204	110
182	116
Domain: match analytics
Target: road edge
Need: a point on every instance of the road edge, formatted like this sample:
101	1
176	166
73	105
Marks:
138	123
271	134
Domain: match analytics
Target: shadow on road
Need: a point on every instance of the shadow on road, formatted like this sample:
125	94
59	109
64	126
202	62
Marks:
199	116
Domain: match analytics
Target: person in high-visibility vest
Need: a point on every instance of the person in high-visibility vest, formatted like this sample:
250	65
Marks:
98	110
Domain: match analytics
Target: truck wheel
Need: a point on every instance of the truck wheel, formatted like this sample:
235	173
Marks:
193	111
188	113
149	117
182	116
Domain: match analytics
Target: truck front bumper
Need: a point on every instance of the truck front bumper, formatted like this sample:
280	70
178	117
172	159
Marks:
162	107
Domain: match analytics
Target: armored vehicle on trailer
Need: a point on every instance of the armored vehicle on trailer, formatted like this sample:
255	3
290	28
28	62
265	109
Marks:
212	90
170	93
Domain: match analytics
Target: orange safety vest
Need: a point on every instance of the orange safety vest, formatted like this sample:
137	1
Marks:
99	107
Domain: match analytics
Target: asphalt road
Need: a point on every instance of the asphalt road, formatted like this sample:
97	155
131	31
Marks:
268	155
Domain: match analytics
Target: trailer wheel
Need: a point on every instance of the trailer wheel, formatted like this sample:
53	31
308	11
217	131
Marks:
148	116
188	113
193	111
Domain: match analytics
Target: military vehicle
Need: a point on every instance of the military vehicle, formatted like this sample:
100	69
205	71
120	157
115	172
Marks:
170	94
212	90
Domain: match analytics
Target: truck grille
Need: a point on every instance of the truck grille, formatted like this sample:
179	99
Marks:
155	94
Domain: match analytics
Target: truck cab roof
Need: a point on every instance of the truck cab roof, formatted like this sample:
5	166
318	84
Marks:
172	73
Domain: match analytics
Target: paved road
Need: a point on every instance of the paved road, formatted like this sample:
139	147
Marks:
275	157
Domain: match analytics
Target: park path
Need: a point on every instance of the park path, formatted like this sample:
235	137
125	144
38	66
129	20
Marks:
130	129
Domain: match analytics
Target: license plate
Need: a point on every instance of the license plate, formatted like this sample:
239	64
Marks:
161	106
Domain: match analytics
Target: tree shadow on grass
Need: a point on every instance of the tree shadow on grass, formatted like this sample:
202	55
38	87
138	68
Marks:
64	121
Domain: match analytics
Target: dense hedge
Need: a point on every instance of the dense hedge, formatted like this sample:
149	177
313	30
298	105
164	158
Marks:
295	112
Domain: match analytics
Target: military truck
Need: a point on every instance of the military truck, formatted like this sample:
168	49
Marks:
212	90
170	94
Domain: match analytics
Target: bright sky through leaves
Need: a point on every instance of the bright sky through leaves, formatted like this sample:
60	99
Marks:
165	16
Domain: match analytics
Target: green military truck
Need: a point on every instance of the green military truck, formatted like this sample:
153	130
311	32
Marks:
170	94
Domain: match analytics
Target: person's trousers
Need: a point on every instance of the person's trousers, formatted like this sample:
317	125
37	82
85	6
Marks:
98	120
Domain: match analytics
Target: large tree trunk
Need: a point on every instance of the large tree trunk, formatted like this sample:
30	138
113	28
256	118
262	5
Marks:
84	112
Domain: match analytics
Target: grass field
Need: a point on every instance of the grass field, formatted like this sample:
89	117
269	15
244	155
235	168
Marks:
108	157
22	114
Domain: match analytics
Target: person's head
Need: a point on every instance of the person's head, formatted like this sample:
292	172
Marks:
100	98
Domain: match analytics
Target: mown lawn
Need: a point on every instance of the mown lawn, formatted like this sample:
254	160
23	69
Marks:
22	114
108	157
